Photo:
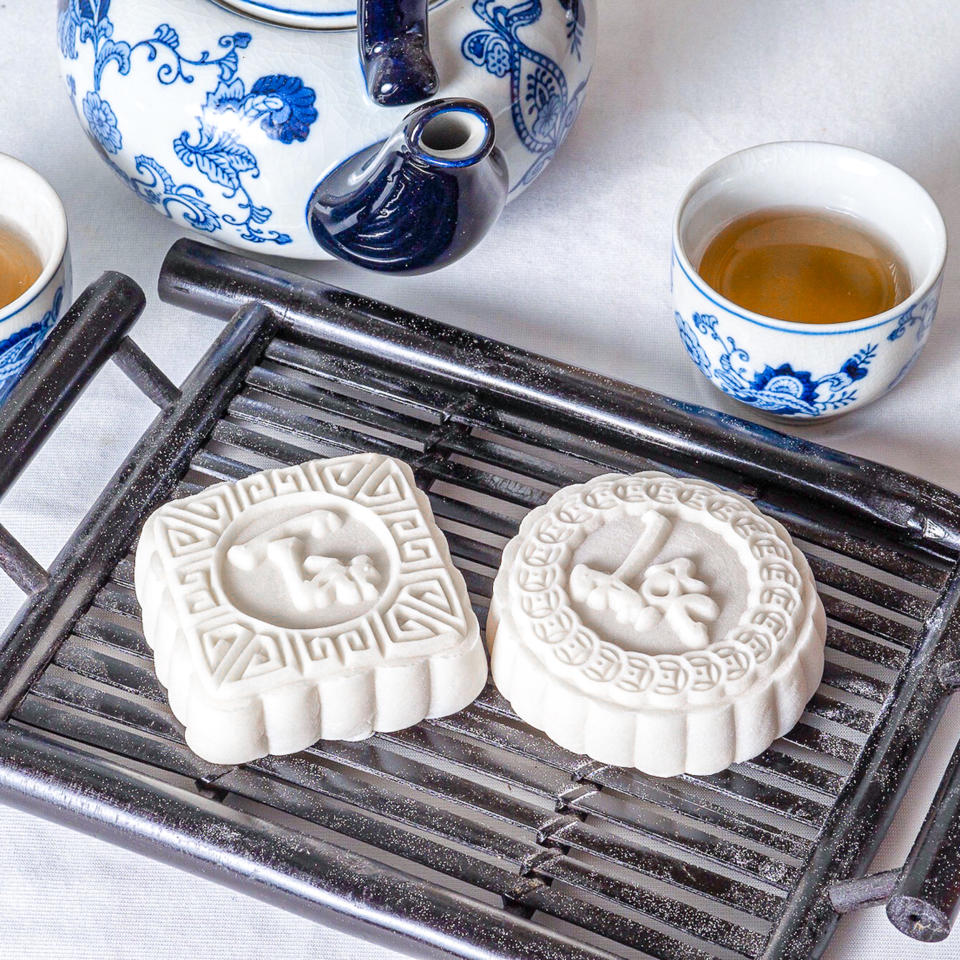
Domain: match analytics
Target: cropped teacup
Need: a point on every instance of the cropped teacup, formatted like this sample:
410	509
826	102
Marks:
31	205
794	370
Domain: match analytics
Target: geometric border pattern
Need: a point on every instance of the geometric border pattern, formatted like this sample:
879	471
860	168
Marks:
237	655
538	593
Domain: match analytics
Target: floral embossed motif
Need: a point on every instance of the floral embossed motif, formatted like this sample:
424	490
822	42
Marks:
666	591
642	593
312	581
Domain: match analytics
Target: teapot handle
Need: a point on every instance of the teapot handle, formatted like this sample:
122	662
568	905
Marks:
395	51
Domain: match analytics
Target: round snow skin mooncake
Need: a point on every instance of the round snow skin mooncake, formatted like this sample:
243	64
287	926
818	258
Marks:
657	623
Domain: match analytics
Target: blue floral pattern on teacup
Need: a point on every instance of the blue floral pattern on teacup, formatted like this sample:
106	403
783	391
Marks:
20	349
919	317
782	389
799	380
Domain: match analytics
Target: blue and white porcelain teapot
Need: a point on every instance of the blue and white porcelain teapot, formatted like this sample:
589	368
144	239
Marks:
330	128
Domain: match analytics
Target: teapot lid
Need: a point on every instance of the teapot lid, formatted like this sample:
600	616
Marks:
315	14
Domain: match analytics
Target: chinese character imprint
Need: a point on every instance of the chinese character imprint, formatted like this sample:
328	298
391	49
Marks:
313	582
668	591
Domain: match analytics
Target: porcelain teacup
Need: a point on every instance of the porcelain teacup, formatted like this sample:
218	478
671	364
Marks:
794	370
30	205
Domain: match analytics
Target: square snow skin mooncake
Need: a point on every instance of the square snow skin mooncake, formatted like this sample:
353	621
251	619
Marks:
310	602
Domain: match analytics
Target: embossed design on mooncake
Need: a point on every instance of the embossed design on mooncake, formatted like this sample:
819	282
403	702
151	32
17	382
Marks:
290	582
311	581
667	591
550	584
652	599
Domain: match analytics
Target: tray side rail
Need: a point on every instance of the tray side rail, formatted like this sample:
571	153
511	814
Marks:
175	822
86	337
214	282
113	523
305	875
865	808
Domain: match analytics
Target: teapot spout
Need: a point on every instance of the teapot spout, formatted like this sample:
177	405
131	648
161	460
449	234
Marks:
420	200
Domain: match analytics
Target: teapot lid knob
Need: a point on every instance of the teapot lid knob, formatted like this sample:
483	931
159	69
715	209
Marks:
395	51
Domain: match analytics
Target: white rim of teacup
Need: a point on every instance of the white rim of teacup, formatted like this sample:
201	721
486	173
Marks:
921	287
58	226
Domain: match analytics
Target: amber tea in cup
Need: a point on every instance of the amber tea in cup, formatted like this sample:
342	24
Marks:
20	264
805	266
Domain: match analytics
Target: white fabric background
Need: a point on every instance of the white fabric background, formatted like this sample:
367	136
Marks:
578	269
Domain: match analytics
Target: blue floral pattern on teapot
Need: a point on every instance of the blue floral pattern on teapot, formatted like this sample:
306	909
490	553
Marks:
262	134
281	105
543	107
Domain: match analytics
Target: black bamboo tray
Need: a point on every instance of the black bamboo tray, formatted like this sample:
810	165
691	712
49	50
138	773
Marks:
475	836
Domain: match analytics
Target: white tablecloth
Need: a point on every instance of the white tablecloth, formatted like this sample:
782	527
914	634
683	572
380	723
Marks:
578	269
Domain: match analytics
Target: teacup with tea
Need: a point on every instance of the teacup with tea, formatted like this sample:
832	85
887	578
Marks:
806	276
34	267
